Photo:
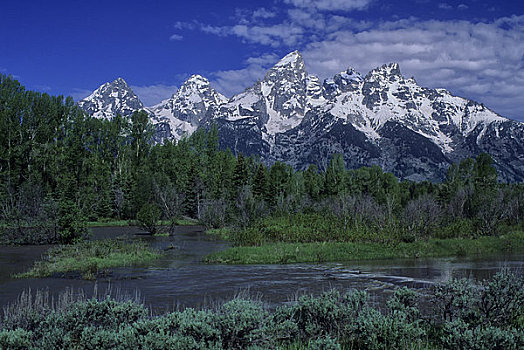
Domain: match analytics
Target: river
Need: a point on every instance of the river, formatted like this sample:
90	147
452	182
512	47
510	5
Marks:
180	279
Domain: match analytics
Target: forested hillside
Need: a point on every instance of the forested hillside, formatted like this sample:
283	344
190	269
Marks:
60	168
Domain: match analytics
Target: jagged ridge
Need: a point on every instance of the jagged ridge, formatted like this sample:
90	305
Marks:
381	118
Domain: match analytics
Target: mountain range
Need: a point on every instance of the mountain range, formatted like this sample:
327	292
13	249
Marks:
381	118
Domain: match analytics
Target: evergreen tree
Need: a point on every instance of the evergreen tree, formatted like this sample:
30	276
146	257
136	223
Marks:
240	175
335	175
313	182
260	186
279	175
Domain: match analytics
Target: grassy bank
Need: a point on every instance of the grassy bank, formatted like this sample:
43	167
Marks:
91	257
281	253
120	223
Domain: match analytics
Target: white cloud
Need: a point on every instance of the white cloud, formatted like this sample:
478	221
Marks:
272	35
482	61
478	60
331	5
263	13
445	6
462	7
153	94
231	82
176	37
185	25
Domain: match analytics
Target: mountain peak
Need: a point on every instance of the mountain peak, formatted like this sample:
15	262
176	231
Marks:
119	81
350	74
190	106
197	78
291	58
111	99
390	69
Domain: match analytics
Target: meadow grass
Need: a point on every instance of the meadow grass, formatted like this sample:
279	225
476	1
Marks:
90	257
121	223
318	252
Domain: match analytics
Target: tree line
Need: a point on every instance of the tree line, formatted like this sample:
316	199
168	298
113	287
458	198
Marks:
60	167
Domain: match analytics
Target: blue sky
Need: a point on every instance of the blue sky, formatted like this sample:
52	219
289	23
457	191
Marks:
473	48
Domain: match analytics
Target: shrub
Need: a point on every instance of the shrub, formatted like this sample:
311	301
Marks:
213	213
458	334
148	217
501	299
242	323
373	330
71	224
330	313
197	325
404	300
15	339
323	343
455	299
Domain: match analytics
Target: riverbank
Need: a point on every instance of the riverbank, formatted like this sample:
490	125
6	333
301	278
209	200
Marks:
319	252
331	320
122	223
90	258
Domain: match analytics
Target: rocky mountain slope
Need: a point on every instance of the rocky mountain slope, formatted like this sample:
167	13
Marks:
111	99
381	118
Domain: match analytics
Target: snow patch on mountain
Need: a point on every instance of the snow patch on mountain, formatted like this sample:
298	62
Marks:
291	116
185	111
111	99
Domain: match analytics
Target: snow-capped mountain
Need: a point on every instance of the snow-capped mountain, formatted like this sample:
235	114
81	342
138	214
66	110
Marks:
381	118
194	103
277	103
111	99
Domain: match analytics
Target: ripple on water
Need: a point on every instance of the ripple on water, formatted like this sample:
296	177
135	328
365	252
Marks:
180	278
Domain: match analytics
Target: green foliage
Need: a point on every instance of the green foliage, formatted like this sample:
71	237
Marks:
59	166
281	253
458	334
498	302
323	343
241	323
17	339
335	174
71	226
148	217
91	257
331	320
404	300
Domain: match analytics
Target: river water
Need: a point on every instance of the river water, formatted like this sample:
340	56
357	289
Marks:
180	279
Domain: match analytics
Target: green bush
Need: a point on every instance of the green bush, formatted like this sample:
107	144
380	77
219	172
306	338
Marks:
466	316
455	299
458	334
329	313
501	299
190	323
71	224
458	228
323	343
17	339
404	300
148	217
242	323
498	301
107	314
374	330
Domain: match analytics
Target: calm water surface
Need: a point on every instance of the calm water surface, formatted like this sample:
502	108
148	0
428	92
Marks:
179	279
